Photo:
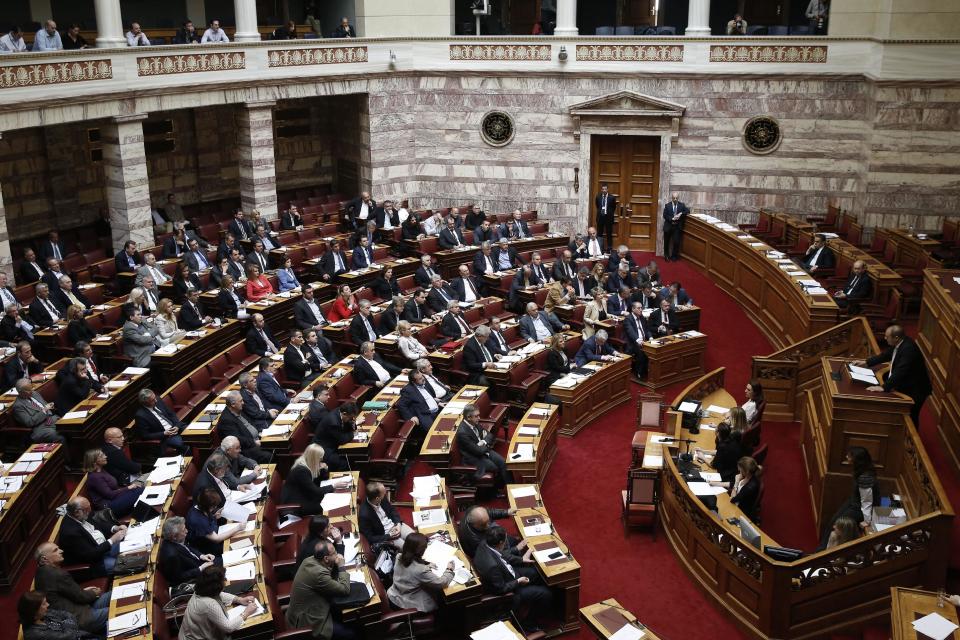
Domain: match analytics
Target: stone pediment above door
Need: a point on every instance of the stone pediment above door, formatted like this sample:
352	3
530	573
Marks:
624	106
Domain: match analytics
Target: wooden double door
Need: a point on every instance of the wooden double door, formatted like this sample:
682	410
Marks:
630	167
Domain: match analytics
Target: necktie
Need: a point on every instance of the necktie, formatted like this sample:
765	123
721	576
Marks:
429	273
92	367
640	333
202	260
472	288
158	277
263	263
490	268
463	325
853	284
604	203
163	421
37	268
243	229
38	403
7	298
73	299
251	430
443	294
337	262
486	354
270	345
56	251
52	310
370	332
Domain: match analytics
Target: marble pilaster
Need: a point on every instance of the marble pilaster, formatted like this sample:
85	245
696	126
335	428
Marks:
109	24
6	255
246	17
566	18
698	18
128	188
258	170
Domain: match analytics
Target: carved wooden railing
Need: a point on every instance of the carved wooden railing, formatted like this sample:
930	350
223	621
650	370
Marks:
838	589
788	373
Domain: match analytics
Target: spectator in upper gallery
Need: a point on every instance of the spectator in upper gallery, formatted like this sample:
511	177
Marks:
289	32
737	26
214	33
48	38
187	35
13	42
344	30
73	39
816	13
136	37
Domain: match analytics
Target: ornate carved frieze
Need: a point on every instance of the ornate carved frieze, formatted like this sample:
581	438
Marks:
789	54
324	55
505	52
630	52
34	75
190	63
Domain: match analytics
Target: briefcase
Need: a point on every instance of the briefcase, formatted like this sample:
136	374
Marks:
132	562
357	597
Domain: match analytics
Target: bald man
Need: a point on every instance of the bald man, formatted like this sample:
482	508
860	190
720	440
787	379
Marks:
119	465
90	606
474	524
859	288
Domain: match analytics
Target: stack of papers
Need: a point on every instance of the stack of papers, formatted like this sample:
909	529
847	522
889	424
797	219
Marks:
334	501
25	467
235	512
429	517
134	545
75	415
117	384
496	631
705	489
934	626
718	410
523	492
248	496
651	461
277	429
863	374
136	371
127	622
132	590
238	556
528	431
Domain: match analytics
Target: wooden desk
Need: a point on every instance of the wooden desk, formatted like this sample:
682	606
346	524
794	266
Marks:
449	260
609	387
675	358
738	264
908	605
437	442
607	617
561	574
27	513
909	248
168	366
127	605
545	418
939	340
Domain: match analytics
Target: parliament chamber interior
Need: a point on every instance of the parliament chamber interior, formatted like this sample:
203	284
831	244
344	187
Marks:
495	320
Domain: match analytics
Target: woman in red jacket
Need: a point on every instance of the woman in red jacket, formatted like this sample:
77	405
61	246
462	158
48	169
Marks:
258	285
344	306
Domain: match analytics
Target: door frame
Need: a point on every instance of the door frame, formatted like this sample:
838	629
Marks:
625	113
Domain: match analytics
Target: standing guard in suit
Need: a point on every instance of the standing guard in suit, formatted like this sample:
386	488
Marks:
635	328
606	204
674	216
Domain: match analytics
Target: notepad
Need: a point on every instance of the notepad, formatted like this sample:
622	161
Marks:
705	489
934	626
238	556
524	451
429	517
136	371
31	456
238	572
541	529
75	415
127	622
548	555
132	590
528	431
25	467
523	492
155	495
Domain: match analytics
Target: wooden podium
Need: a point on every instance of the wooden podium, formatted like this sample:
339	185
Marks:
674	358
840	413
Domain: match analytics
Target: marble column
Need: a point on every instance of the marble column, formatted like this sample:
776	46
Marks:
566	18
128	188
258	170
245	12
6	254
109	24
698	18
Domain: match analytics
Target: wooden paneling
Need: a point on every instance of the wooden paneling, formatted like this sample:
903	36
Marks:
630	167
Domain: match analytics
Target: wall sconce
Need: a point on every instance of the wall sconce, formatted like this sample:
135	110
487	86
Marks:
393	60
576	179
562	56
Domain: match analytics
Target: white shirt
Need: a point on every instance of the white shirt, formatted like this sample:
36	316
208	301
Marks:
382	374
468	293
214	36
432	226
137	40
750	408
98	537
438	389
364	211
402	214
816	256
9	45
542	332
593	247
385	521
159	277
489	265
411	348
428	397
315	310
8	298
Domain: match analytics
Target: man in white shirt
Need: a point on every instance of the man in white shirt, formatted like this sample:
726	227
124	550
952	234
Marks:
594	247
136	37
441	391
370	370
150	268
13	42
48	38
433	224
214	33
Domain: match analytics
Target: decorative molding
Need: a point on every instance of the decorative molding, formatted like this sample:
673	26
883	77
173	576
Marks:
497	128
35	75
191	63
513	52
627	104
788	54
308	57
762	135
630	53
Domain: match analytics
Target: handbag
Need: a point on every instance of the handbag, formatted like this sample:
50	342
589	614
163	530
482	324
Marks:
104	519
357	597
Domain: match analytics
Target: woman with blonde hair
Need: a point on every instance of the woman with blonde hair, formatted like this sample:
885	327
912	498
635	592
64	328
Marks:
410	347
102	488
258	285
166	323
595	311
78	329
303	483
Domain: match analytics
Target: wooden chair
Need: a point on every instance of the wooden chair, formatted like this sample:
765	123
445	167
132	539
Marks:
649	418
640	499
760	454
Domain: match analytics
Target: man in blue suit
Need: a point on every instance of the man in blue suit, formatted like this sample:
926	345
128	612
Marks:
595	348
537	326
272	394
418	402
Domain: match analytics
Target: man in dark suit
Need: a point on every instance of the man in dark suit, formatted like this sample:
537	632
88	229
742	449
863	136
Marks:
476	520
214	469
485	232
505	257
335	429
232	422
596	245
620	304
361	209
235	265
84	543
23	364
372	514
64	295
319	349
520	228
416	309
298	364
663	321
306	311
127	259
52	248
450	236
155	420
119	465
594	348
175	245
636	332
454	325
273	395
859	288
818	257
362	326
176	560
621	278
476	448
466	287
674	215
908	370
418	403
254	408
423	276
318	409
225	248
196	258
584	284
333	262
43	312
497	342
345	30
650	273
191	314
440	295
241	470
537	326
578	247
541	274
522	280
606	204
31	270
53	274
387	213
89	606
362	255
260	340
483	260
291	218
477	358
503	570
676	294
13	327
565	267
441	391
259	256
622	254
370	369
241	228
371	233
647	298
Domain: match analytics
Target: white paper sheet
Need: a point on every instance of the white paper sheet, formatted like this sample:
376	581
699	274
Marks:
627	632
132	590
238	556
718	410
528	431
11	484
155	495
429	517
935	626
136	371
123	623
31	456
75	415
235	612
496	631
524	452
522	492
239	572
333	501
542	529
233	511
705	489
544	556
